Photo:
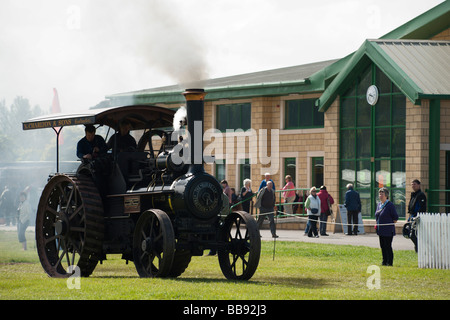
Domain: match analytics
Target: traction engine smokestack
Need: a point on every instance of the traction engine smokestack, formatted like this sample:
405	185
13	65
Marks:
195	110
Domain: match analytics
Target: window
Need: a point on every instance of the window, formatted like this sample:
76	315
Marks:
289	169
372	141
233	116
302	114
244	172
220	170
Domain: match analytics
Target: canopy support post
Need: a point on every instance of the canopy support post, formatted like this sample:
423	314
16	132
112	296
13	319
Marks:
57	131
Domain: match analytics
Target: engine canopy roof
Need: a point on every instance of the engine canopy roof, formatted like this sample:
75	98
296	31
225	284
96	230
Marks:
140	117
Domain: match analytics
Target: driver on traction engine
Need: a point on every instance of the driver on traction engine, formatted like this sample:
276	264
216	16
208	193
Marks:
92	145
125	142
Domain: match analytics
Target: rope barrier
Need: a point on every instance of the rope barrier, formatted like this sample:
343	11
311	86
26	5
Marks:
332	222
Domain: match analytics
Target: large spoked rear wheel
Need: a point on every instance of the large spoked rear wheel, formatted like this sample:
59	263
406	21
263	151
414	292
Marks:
69	226
241	250
154	244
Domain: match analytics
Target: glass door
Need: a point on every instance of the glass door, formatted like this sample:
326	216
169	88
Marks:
372	141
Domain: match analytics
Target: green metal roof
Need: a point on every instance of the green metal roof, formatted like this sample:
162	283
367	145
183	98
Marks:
420	69
424	26
426	63
282	81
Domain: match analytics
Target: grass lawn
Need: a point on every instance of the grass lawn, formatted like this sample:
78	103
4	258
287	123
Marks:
300	271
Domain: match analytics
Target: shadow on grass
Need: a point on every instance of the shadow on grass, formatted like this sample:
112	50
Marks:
283	280
288	281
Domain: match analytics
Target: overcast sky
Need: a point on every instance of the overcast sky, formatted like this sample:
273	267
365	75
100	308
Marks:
87	49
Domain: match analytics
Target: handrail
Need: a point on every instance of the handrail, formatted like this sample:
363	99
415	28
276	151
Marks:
240	202
279	204
438	205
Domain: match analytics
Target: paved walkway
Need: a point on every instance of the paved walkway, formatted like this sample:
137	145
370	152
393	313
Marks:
369	239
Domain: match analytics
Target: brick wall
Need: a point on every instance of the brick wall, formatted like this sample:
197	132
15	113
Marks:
444	35
417	145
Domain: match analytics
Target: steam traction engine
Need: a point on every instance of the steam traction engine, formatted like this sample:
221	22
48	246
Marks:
145	205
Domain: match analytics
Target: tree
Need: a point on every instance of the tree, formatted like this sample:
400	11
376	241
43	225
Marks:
16	144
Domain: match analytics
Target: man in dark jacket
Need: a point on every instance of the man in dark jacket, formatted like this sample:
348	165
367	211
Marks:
265	202
92	145
353	205
417	203
122	140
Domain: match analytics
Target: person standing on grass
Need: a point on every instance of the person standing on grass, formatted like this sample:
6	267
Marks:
312	206
23	220
386	216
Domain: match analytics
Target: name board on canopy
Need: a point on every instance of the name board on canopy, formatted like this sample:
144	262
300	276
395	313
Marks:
41	124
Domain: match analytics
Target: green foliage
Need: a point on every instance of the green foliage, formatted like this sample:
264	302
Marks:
299	271
16	144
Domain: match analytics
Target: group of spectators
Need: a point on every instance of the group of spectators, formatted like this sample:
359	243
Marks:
318	206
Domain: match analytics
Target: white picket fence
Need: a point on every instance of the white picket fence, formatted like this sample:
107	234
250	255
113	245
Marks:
433	240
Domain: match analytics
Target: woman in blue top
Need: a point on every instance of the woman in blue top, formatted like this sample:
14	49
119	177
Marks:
386	217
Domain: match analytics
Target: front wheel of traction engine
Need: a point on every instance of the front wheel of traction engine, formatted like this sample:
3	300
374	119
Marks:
241	250
69	226
153	244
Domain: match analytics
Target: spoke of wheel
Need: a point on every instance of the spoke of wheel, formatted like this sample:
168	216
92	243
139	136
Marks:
62	192
77	211
69	199
59	261
51	210
143	255
151	225
233	265
238	229
149	267
60	257
157	238
60	241
73	258
66	250
76	247
50	239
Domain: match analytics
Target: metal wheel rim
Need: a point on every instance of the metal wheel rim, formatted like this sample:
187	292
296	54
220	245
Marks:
61	230
153	244
239	257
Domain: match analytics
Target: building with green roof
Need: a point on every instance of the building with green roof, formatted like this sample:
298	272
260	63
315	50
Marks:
377	117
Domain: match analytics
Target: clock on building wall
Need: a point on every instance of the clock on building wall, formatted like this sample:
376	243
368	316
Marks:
372	95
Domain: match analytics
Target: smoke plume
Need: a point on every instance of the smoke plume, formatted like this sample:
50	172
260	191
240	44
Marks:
179	118
154	34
